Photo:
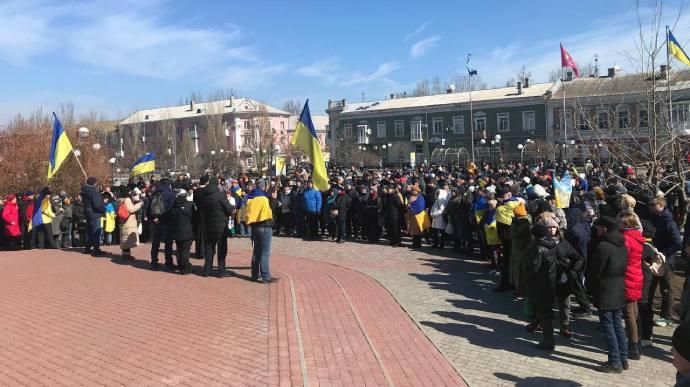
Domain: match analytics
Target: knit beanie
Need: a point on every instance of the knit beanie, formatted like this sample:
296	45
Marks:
261	183
91	180
520	210
681	340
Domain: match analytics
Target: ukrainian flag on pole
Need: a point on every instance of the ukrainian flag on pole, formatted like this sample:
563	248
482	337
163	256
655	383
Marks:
60	147
305	139
675	50
147	163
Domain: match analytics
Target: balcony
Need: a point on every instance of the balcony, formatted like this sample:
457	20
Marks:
363	132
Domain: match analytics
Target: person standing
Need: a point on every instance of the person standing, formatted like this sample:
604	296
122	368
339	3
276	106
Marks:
162	200
129	228
10	217
608	270
311	203
94	209
417	227
630	226
26	210
668	241
215	211
43	234
680	349
179	220
260	218
392	209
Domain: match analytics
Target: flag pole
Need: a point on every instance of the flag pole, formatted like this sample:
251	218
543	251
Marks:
79	162
668	78
471	121
565	117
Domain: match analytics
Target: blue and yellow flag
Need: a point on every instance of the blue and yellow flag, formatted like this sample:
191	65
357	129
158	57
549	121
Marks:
37	216
305	139
60	147
675	50
147	163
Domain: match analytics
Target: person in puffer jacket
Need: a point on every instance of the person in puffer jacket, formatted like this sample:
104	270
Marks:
631	228
438	223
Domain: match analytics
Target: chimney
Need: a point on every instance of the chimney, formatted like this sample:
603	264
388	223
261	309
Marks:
568	76
191	105
526	84
519	87
404	94
664	70
611	72
449	91
392	95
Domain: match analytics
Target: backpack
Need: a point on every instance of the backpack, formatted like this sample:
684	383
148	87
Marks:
122	212
658	266
157	204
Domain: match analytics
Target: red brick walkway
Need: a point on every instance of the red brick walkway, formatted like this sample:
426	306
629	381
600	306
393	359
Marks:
70	319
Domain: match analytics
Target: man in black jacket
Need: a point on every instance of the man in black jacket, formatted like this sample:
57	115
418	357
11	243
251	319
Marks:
608	271
159	227
94	209
215	211
179	220
668	241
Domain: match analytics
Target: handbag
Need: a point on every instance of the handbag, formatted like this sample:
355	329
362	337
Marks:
659	267
333	213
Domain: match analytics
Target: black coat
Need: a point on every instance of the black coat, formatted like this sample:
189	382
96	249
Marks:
647	276
179	220
667	236
541	272
94	208
608	266
392	207
214	210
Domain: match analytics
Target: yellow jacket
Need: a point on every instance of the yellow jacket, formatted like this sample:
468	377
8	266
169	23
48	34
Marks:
258	210
47	211
504	212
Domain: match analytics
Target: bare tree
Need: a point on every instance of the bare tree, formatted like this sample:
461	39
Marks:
422	88
510	82
437	86
292	106
462	83
523	74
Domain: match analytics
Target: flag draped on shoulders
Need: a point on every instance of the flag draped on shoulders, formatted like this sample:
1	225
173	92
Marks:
675	50
41	203
562	189
305	139
147	163
60	147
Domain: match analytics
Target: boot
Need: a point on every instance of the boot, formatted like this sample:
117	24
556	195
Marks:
221	269
634	351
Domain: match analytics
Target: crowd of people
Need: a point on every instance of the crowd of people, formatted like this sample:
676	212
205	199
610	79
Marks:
606	239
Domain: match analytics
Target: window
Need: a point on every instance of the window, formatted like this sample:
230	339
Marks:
603	120
381	129
282	125
528	120
362	134
681	114
503	120
416	130
459	125
347	132
479	124
623	119
582	123
399	128
247	140
246	124
642	118
437	125
568	119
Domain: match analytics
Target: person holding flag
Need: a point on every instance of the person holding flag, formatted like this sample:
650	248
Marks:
305	139
41	219
94	210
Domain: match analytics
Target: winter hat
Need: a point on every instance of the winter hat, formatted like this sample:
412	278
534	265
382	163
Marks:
135	191
681	340
10	197
608	222
203	180
526	180
91	180
261	183
180	193
550	222
539	191
520	209
28	193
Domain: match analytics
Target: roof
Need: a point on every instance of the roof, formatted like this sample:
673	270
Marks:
510	93
620	85
232	105
320	122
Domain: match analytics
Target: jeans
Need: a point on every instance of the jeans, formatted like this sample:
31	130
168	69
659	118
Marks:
160	234
614	335
93	233
245	230
261	236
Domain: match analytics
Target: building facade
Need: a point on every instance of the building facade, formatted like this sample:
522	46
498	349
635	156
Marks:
491	122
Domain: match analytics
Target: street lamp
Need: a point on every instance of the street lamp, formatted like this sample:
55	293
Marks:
83	132
77	152
112	162
96	147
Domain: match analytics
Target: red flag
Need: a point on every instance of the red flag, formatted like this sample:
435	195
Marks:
568	61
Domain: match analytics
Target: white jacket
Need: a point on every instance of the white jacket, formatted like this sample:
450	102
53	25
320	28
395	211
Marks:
438	209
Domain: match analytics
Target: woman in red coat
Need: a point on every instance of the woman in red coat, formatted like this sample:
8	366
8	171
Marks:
10	216
631	228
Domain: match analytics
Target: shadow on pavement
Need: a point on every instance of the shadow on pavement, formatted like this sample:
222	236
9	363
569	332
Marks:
536	381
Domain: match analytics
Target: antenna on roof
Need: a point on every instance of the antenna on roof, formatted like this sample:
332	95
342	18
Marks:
362	96
596	65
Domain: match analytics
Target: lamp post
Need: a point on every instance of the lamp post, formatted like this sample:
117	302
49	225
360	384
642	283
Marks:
112	162
522	148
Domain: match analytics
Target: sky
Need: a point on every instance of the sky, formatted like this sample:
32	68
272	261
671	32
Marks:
119	56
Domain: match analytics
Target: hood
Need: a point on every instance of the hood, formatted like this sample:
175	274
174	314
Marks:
256	192
614	237
635	235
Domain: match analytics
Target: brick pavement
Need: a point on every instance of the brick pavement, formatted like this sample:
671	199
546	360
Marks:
72	319
481	332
